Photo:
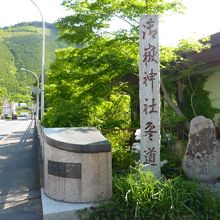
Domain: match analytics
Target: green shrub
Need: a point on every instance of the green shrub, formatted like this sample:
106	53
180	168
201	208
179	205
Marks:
140	196
122	157
195	95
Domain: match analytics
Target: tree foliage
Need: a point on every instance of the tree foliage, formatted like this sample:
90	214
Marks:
93	72
95	82
179	68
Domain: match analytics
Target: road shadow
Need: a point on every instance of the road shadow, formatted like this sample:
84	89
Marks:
19	182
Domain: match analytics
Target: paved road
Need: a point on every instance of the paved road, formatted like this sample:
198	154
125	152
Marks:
19	179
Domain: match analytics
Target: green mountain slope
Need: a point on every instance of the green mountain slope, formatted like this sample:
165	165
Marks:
21	47
7	69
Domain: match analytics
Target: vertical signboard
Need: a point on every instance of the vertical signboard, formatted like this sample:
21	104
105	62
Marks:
149	93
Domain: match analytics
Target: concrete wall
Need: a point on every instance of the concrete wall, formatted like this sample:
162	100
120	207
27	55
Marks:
213	85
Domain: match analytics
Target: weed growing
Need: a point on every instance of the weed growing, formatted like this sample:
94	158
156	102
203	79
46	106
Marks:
140	196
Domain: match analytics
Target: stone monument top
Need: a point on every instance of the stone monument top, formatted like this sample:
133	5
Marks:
77	139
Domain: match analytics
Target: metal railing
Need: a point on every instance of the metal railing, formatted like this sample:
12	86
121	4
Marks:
39	142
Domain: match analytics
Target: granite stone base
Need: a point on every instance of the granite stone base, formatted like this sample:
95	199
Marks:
77	165
55	210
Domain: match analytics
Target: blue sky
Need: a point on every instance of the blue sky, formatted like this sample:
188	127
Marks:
201	17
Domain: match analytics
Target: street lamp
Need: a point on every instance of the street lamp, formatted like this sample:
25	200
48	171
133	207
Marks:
43	60
37	94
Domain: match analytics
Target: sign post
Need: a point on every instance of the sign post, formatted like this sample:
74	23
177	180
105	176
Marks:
149	93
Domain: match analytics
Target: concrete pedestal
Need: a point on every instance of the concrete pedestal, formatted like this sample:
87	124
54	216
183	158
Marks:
55	210
77	165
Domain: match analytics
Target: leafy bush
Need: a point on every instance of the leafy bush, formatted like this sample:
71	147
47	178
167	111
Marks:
141	196
173	167
196	99
169	138
121	155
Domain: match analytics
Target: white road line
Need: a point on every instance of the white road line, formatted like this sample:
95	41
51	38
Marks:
8	135
15	200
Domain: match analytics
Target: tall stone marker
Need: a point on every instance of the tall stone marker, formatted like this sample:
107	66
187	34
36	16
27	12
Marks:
149	92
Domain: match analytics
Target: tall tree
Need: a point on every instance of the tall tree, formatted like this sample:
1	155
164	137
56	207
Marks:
101	60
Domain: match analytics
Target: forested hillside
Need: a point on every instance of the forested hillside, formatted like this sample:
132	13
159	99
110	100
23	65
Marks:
20	47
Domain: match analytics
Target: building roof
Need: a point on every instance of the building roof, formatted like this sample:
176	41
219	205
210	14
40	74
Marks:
211	57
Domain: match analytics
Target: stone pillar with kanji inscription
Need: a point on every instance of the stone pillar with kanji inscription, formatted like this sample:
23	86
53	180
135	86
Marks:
149	93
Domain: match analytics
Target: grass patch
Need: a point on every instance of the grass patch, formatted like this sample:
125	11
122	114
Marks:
140	196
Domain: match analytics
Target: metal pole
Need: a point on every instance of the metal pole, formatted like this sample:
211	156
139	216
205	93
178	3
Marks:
43	60
37	110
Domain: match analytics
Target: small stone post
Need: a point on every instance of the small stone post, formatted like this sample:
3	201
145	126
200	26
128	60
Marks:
149	92
202	157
